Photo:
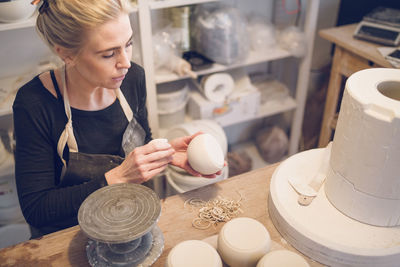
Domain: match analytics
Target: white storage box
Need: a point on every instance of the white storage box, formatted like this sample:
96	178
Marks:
241	105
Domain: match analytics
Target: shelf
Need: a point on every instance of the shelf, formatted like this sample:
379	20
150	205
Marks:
267	109
176	3
163	75
276	106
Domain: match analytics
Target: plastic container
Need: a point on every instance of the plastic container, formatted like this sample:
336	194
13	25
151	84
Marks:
16	10
171	100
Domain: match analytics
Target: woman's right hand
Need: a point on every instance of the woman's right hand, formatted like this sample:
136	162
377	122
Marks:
142	163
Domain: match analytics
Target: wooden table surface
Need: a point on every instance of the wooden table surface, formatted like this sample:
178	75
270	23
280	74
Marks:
343	36
67	247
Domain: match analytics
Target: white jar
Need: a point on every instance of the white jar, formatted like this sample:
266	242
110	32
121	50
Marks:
243	241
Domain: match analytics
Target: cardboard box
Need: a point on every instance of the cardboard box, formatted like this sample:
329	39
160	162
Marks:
243	104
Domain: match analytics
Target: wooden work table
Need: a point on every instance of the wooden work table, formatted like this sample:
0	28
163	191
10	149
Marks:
67	247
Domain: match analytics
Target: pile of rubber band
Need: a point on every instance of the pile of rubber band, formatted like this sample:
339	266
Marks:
214	211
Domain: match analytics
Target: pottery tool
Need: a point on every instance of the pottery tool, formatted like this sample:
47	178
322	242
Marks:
307	192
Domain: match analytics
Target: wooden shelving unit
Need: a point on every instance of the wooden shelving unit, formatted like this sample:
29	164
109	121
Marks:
143	9
161	76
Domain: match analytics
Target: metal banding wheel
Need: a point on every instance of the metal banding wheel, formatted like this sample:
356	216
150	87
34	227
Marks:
119	213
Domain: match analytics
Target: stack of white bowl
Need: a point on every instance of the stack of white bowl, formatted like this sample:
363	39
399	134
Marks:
13	228
178	180
171	100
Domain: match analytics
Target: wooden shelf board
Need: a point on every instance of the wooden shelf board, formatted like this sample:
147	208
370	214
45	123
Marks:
276	106
268	109
163	75
176	3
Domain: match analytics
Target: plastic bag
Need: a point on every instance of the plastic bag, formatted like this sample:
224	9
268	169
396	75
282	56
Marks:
167	53
220	33
164	48
294	41
262	34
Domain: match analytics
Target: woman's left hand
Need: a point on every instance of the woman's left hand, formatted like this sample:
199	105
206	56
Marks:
180	158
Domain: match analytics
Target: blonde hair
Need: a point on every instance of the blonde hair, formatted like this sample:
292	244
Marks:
64	22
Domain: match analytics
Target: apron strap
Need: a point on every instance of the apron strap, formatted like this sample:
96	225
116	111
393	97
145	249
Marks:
124	104
67	136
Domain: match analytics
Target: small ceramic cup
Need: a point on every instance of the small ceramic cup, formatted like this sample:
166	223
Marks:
205	155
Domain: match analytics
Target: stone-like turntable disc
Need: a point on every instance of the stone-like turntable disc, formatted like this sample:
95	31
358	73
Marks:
119	213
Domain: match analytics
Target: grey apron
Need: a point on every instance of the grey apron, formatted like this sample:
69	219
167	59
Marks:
82	167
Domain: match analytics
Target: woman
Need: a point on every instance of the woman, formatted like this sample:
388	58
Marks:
84	126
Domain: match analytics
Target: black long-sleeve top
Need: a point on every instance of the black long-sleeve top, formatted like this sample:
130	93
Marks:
39	119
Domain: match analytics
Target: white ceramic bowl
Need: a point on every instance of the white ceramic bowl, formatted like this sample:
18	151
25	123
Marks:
193	253
206	126
174	187
16	10
282	257
205	154
243	241
193	182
